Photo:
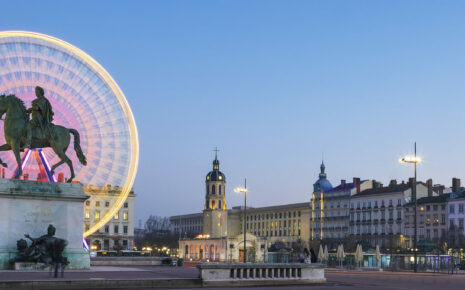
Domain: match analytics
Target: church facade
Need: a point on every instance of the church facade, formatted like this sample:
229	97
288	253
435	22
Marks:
217	234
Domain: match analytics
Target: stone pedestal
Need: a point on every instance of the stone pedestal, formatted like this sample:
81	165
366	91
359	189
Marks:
28	207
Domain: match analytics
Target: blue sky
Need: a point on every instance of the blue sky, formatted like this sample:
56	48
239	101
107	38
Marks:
273	84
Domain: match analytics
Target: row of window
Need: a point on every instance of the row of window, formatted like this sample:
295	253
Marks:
106	244
331	205
213	189
452	208
254	217
426	219
107	203
381	229
106	229
366	216
97	215
366	204
277	233
213	205
274	224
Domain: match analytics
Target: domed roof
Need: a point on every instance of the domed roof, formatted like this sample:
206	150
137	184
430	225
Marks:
322	184
216	174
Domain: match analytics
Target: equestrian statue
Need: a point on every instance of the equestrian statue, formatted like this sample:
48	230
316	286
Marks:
37	132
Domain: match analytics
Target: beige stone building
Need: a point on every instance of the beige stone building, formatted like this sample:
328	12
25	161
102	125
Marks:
117	233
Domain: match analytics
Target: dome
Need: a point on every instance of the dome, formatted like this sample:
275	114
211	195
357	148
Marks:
322	184
216	174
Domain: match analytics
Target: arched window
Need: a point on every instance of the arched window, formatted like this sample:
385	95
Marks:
213	189
213	205
219	189
219	204
208	189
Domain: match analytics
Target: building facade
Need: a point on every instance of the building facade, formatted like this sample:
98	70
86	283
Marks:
118	234
431	219
329	210
376	215
455	208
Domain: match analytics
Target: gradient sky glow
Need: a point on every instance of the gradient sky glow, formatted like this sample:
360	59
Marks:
273	84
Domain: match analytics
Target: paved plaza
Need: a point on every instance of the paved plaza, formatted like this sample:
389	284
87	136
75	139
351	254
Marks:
335	279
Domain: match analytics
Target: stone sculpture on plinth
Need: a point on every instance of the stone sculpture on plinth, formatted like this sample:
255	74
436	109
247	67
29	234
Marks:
27	206
46	250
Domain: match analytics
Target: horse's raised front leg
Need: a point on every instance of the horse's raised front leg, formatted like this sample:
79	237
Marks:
18	159
4	147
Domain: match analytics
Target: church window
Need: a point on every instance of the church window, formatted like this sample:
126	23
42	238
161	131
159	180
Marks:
213	204
219	204
219	189
213	189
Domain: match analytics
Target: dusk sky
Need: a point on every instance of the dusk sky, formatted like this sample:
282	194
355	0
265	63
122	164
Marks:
274	85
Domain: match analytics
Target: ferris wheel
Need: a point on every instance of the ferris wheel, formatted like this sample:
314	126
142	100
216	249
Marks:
84	97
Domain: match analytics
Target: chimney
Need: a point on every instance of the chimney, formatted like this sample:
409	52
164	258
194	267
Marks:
455	184
392	182
357	184
411	180
429	183
343	182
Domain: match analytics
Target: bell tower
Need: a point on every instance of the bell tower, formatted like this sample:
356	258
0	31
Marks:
215	214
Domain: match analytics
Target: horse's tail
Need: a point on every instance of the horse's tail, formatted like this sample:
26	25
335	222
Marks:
77	146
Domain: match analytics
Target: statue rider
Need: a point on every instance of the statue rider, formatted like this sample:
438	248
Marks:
42	116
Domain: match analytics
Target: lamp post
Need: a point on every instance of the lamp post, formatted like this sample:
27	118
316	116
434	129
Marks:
414	160
244	191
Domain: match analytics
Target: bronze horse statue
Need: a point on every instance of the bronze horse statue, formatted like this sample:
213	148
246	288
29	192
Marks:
15	131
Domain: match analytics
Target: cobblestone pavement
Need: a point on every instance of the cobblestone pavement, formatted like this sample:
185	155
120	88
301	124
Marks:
106	272
335	279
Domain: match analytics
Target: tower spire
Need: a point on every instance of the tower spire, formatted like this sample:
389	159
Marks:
216	163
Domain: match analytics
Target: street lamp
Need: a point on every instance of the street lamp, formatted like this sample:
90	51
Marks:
414	159
244	191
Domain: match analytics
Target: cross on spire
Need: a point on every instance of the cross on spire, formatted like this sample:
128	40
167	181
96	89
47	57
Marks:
216	153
